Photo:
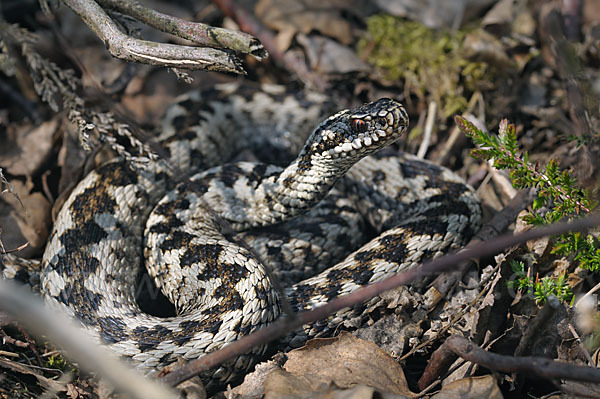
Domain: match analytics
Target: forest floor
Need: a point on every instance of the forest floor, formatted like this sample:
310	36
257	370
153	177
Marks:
532	63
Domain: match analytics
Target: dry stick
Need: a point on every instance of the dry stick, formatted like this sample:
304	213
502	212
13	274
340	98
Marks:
130	49
540	366
25	307
250	24
199	33
283	326
581	345
431	114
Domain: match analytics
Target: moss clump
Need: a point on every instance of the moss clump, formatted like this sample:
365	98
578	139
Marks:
56	361
430	62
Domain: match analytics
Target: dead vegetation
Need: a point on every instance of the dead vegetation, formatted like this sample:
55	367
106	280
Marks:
532	62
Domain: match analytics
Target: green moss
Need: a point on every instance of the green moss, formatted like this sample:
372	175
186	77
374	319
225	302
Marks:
56	361
430	62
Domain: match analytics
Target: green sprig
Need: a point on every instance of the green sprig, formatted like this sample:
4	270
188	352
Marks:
558	196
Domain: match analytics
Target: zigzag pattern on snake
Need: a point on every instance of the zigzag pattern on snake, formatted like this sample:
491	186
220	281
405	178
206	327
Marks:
300	219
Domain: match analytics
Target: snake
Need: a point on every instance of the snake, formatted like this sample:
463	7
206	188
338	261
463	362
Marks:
215	233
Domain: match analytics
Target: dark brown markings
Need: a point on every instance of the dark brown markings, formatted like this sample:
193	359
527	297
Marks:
392	249
84	302
177	239
149	338
206	255
166	227
304	163
112	329
169	208
84	234
78	264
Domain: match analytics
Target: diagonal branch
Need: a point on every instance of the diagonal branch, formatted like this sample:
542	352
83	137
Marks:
23	306
282	326
456	345
170	55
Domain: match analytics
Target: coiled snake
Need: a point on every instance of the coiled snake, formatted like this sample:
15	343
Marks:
119	218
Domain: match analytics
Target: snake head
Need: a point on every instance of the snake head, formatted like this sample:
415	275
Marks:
355	133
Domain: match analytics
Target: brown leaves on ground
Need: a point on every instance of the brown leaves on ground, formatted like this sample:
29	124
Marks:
347	367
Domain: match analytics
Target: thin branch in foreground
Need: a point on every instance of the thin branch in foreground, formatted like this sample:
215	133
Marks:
283	326
169	55
539	366
196	32
23	306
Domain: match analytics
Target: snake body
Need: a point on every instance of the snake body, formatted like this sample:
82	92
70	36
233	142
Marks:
119	219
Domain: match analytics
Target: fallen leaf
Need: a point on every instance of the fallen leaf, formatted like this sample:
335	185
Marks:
328	56
472	387
324	16
30	150
326	365
24	219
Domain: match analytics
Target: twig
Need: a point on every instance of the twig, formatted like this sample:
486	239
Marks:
196	32
170	55
587	294
46	383
580	344
431	114
457	139
502	181
22	305
542	367
283	326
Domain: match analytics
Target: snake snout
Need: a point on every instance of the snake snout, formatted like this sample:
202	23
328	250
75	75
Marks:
391	114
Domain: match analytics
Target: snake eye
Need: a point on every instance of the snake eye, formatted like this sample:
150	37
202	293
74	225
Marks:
358	125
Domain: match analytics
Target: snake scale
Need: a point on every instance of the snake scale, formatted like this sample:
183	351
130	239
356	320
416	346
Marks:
300	219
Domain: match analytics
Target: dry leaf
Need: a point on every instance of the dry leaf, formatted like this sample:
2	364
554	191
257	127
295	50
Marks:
30	151
324	366
24	219
328	56
472	387
325	17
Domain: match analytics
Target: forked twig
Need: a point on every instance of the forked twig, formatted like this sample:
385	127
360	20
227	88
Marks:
199	33
128	48
543	367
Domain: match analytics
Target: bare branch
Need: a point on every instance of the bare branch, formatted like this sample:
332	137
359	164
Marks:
540	366
196	32
170	55
23	306
444	263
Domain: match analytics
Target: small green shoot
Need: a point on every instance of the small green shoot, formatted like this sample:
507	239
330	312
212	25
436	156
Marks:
558	198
